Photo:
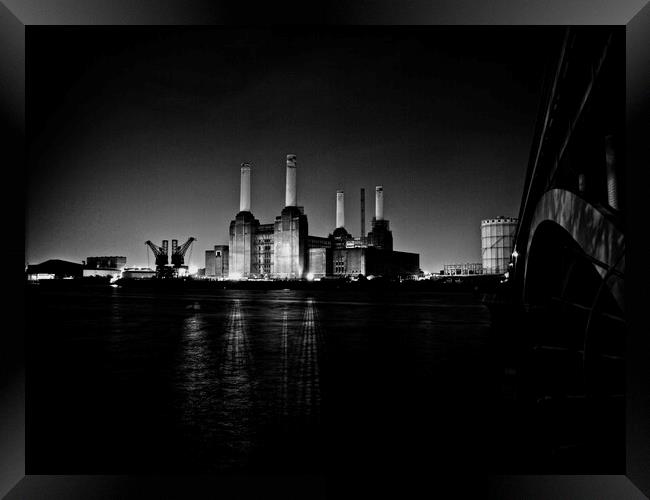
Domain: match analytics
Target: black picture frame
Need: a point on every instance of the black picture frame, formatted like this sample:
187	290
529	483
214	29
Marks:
15	15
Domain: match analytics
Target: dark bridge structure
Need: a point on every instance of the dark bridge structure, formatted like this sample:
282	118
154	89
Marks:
567	270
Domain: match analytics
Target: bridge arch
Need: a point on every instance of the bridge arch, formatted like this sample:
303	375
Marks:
587	232
573	288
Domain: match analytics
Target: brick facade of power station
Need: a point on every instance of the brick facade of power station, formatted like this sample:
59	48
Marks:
285	250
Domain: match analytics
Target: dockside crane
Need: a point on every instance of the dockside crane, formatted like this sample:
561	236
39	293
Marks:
178	252
161	254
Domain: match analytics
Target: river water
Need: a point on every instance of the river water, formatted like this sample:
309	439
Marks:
255	382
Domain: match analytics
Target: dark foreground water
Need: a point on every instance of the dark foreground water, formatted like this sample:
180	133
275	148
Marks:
255	382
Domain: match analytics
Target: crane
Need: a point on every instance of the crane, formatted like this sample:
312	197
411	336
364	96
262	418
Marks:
161	253
162	256
178	252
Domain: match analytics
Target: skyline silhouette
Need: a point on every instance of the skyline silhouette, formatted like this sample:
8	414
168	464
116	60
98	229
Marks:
138	133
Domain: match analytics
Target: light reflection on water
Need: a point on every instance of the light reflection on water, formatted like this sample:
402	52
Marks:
248	380
215	383
199	380
251	372
308	377
236	379
284	384
220	398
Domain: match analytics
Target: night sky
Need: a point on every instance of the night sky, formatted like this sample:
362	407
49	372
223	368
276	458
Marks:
138	133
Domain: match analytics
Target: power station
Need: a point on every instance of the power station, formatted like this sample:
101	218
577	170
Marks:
284	249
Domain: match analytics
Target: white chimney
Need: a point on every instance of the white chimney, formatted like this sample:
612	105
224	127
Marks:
340	209
379	203
245	188
291	197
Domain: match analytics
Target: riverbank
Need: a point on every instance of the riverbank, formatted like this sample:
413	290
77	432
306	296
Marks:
474	284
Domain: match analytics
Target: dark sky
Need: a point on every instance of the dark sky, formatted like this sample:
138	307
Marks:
139	133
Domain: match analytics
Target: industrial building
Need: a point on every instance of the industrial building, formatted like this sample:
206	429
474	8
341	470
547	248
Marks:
284	249
497	237
105	263
467	269
138	273
216	262
104	266
54	269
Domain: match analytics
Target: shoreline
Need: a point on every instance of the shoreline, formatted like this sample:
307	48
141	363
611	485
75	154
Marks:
477	284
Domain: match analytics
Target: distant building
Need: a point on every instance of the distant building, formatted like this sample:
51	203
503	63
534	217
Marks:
497	237
216	262
209	263
108	267
463	269
54	268
105	263
39	276
102	273
138	273
221	261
